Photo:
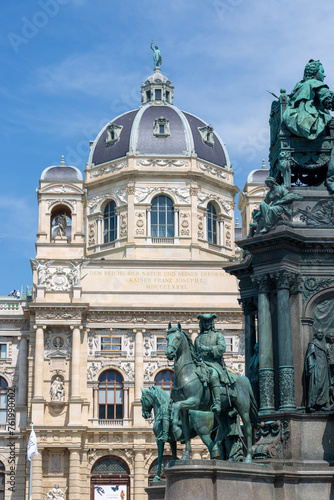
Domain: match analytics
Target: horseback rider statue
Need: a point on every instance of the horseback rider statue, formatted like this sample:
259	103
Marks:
210	346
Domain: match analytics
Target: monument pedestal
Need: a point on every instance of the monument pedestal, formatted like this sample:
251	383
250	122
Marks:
218	480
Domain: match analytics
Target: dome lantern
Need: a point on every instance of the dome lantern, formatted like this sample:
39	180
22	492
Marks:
157	89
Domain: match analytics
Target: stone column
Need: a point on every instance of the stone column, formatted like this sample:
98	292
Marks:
131	212
74	475
148	222
265	336
99	230
250	333
194	212
21	405
75	364
95	402
140	480
37	473
39	362
75	399
118	229
286	374
176	223
23	372
221	232
126	402
139	366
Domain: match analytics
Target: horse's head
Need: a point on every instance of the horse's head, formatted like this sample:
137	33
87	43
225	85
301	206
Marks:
146	403
174	339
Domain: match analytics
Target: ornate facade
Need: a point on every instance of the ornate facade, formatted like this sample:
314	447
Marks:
141	241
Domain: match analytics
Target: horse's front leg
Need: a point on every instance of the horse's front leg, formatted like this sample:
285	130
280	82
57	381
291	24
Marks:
188	404
157	477
184	406
173	447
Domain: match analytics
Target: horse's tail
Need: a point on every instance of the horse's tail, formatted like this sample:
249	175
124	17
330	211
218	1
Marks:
253	410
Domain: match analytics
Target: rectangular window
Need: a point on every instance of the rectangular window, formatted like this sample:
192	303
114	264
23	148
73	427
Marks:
148	95
161	343
3	351
158	94
229	344
161	129
111	343
167	96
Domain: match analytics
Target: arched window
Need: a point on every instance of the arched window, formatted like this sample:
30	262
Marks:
165	379
3	401
162	217
110	395
2	481
110	479
212	224
61	222
110	222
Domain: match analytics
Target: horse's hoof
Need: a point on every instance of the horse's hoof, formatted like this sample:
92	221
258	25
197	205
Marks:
248	459
156	479
185	456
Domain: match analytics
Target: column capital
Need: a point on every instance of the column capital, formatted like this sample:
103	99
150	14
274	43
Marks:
247	305
263	283
284	279
39	326
79	327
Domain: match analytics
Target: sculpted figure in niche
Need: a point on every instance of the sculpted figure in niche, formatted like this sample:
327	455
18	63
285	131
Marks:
330	360
210	346
307	113
57	390
60	224
316	370
56	493
276	205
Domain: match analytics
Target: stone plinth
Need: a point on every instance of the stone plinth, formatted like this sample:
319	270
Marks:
156	491
217	480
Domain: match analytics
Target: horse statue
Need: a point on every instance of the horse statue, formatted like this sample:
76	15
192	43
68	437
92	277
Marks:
190	393
200	423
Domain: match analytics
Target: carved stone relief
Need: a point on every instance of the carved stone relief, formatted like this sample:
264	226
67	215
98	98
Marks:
162	163
129	369
184	216
140	223
200	232
61	201
203	198
91	234
60	189
129	344
93	343
123	230
93	368
148	344
217	172
149	370
59	279
114	167
120	195
143	194
58	343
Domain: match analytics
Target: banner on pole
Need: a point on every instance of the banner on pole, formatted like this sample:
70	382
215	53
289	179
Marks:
32	445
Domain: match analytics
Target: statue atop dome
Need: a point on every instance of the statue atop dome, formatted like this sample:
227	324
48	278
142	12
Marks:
156	55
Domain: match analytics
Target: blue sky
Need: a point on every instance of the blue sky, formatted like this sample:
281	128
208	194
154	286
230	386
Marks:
69	66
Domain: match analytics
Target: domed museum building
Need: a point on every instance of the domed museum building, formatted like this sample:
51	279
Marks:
140	241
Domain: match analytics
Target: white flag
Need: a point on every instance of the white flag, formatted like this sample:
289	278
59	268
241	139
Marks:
32	445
